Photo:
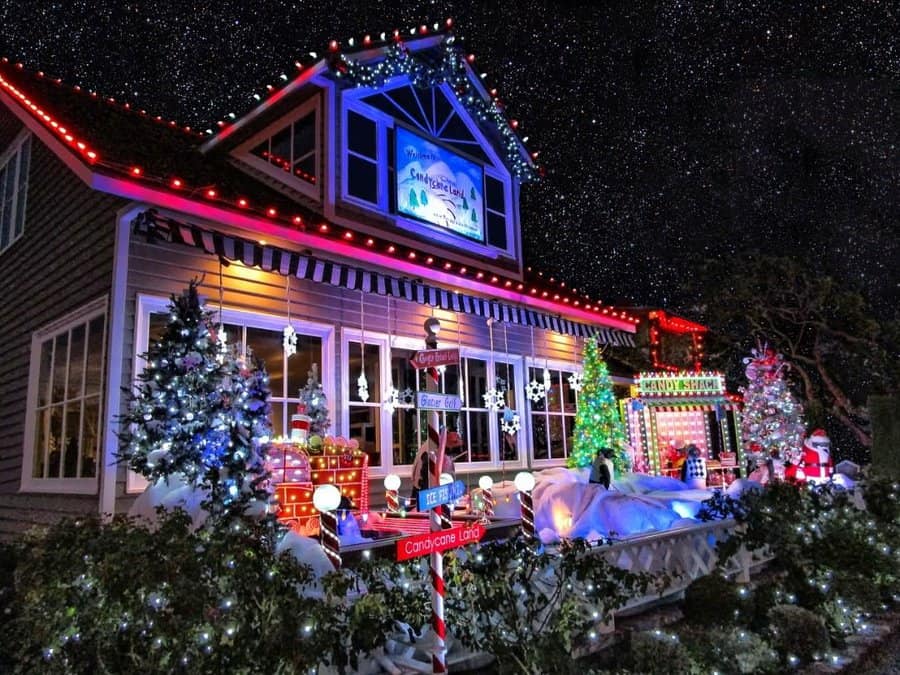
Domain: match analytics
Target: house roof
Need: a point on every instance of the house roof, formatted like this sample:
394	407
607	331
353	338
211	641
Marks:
118	148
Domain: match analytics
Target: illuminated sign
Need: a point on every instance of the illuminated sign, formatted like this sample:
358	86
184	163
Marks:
654	384
439	186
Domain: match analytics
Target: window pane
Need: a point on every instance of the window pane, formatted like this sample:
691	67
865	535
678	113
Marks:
405	440
478	436
54	442
554	399
4	207
90	437
372	369
509	443
41	430
44	376
93	375
361	135
8	187
304	136
476	382
537	375
266	345
262	150
539	436
362	179
568	394
365	427
277	417
59	367
404	375
76	362
281	148
496	230
507	374
557	435
305	168
71	436
309	351
493	197
24	160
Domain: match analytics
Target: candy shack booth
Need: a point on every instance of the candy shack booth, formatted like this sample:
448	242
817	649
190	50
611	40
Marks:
669	411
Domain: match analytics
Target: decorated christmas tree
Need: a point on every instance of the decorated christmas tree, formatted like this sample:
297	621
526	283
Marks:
199	417
772	419
597	423
312	398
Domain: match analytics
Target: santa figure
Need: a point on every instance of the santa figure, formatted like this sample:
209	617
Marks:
817	464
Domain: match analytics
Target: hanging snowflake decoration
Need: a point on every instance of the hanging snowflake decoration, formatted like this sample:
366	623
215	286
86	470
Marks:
535	391
391	400
510	423
576	380
222	341
289	342
362	387
407	396
494	400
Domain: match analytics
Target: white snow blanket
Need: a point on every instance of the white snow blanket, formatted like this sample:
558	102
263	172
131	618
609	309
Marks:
566	505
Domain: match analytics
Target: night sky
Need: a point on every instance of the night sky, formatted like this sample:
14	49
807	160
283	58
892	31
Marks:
670	131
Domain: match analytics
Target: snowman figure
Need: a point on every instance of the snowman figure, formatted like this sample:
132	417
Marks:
817	464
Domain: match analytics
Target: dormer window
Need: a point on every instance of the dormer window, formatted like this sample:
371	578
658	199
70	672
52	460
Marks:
289	150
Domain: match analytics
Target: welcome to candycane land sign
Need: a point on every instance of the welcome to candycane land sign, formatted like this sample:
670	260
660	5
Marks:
435	542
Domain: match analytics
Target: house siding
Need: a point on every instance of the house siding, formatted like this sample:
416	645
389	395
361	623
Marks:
163	269
62	261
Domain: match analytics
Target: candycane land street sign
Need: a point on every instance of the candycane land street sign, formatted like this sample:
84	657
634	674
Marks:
433	358
442	494
435	542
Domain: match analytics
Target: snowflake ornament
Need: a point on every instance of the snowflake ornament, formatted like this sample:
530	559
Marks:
494	400
535	391
222	340
289	341
362	387
407	396
510	423
576	380
391	400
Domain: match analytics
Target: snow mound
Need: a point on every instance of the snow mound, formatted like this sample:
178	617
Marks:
307	551
741	485
170	493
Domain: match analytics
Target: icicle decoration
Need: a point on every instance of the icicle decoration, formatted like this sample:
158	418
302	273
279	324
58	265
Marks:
221	335
391	398
362	386
289	340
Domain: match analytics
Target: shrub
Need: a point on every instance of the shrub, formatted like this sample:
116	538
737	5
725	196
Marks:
659	653
730	651
713	600
797	631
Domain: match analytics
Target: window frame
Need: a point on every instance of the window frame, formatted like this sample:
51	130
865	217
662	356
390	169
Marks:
13	152
539	363
80	486
386	345
147	304
352	101
245	154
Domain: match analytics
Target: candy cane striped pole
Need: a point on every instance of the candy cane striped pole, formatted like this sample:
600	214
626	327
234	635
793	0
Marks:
524	482
486	483
330	540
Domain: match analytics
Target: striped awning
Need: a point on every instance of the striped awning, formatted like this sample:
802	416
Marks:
290	263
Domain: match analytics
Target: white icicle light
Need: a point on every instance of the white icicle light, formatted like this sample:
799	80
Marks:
548	381
222	341
289	342
362	387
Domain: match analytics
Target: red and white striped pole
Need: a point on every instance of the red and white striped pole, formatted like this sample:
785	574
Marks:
524	482
486	483
326	499
435	462
392	492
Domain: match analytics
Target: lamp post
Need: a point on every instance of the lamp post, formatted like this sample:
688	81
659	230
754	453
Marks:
326	499
524	482
486	483
392	495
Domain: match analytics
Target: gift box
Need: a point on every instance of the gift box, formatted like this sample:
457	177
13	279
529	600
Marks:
289	463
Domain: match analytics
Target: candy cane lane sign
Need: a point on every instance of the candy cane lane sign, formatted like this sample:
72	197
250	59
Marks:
433	358
435	542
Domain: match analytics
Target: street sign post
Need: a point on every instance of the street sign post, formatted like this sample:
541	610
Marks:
434	358
442	494
426	400
435	542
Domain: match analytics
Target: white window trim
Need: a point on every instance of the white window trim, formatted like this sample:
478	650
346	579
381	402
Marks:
386	343
148	304
80	486
11	150
243	151
496	170
551	365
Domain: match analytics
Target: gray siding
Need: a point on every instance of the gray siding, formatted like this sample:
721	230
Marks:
62	261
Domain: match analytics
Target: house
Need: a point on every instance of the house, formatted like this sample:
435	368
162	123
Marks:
374	189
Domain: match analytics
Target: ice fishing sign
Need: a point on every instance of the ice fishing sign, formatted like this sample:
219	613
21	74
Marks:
442	494
435	542
439	186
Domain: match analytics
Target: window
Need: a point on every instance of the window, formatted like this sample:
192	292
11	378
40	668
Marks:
261	334
64	418
553	417
495	211
14	189
392	438
289	149
362	157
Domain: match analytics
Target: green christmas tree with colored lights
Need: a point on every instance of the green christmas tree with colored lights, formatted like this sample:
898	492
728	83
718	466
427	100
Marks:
597	423
198	416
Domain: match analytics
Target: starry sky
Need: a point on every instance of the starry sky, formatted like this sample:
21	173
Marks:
671	131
